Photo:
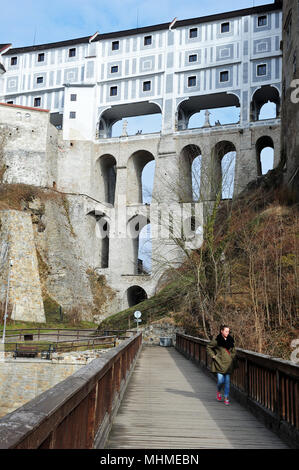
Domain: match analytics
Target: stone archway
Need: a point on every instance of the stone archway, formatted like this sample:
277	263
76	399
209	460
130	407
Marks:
135	295
136	163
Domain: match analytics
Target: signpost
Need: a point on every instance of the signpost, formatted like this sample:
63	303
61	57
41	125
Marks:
137	316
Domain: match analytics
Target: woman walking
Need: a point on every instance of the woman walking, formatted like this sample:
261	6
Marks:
222	351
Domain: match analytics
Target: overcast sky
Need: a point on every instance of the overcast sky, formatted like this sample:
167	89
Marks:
27	22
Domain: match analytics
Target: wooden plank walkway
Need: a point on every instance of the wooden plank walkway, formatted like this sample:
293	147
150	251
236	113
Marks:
170	403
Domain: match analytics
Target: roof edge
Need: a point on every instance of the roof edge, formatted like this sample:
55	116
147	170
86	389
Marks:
25	107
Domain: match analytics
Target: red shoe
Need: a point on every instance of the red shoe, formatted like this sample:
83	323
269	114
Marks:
226	401
219	397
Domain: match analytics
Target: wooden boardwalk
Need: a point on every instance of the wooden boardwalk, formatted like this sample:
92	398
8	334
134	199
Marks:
170	403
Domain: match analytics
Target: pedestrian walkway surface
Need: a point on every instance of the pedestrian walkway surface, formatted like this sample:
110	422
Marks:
170	403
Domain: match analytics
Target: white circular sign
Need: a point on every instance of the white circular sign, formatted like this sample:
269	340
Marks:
137	314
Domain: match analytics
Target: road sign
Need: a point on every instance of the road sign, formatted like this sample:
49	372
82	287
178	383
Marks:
137	314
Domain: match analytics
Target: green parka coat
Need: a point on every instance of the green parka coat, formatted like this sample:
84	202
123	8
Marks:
223	361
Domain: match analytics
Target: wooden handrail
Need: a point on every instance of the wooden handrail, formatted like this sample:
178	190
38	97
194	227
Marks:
268	386
76	413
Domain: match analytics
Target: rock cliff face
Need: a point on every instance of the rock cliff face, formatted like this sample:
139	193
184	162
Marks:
47	260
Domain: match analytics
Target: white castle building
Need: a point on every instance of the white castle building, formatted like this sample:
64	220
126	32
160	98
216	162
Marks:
174	69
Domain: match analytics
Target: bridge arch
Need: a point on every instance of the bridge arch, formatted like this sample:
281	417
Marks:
260	98
102	236
221	174
134	227
106	180
135	166
115	113
189	173
264	154
196	105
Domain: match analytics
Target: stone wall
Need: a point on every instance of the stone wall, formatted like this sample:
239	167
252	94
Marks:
29	142
17	244
23	380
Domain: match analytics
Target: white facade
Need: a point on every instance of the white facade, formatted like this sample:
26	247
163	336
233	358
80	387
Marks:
177	70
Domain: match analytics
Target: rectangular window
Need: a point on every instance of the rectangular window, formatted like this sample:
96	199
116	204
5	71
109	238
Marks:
193	58
40	80
113	91
73	97
9	102
114	69
146	86
37	102
193	33
262	20
115	45
261	70
147	40
72	52
224	76
225	27
191	81
13	61
41	57
72	115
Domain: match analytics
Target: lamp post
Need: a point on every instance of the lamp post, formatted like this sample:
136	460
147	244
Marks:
6	303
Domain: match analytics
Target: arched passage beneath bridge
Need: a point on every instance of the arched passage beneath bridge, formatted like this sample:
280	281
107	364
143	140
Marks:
208	110
130	119
189	173
106	180
222	171
265	103
136	187
264	155
139	244
101	232
135	295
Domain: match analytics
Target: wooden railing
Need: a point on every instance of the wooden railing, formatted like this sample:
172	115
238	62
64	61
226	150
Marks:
76	413
268	386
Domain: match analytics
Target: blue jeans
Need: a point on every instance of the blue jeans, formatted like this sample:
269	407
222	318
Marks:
223	379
